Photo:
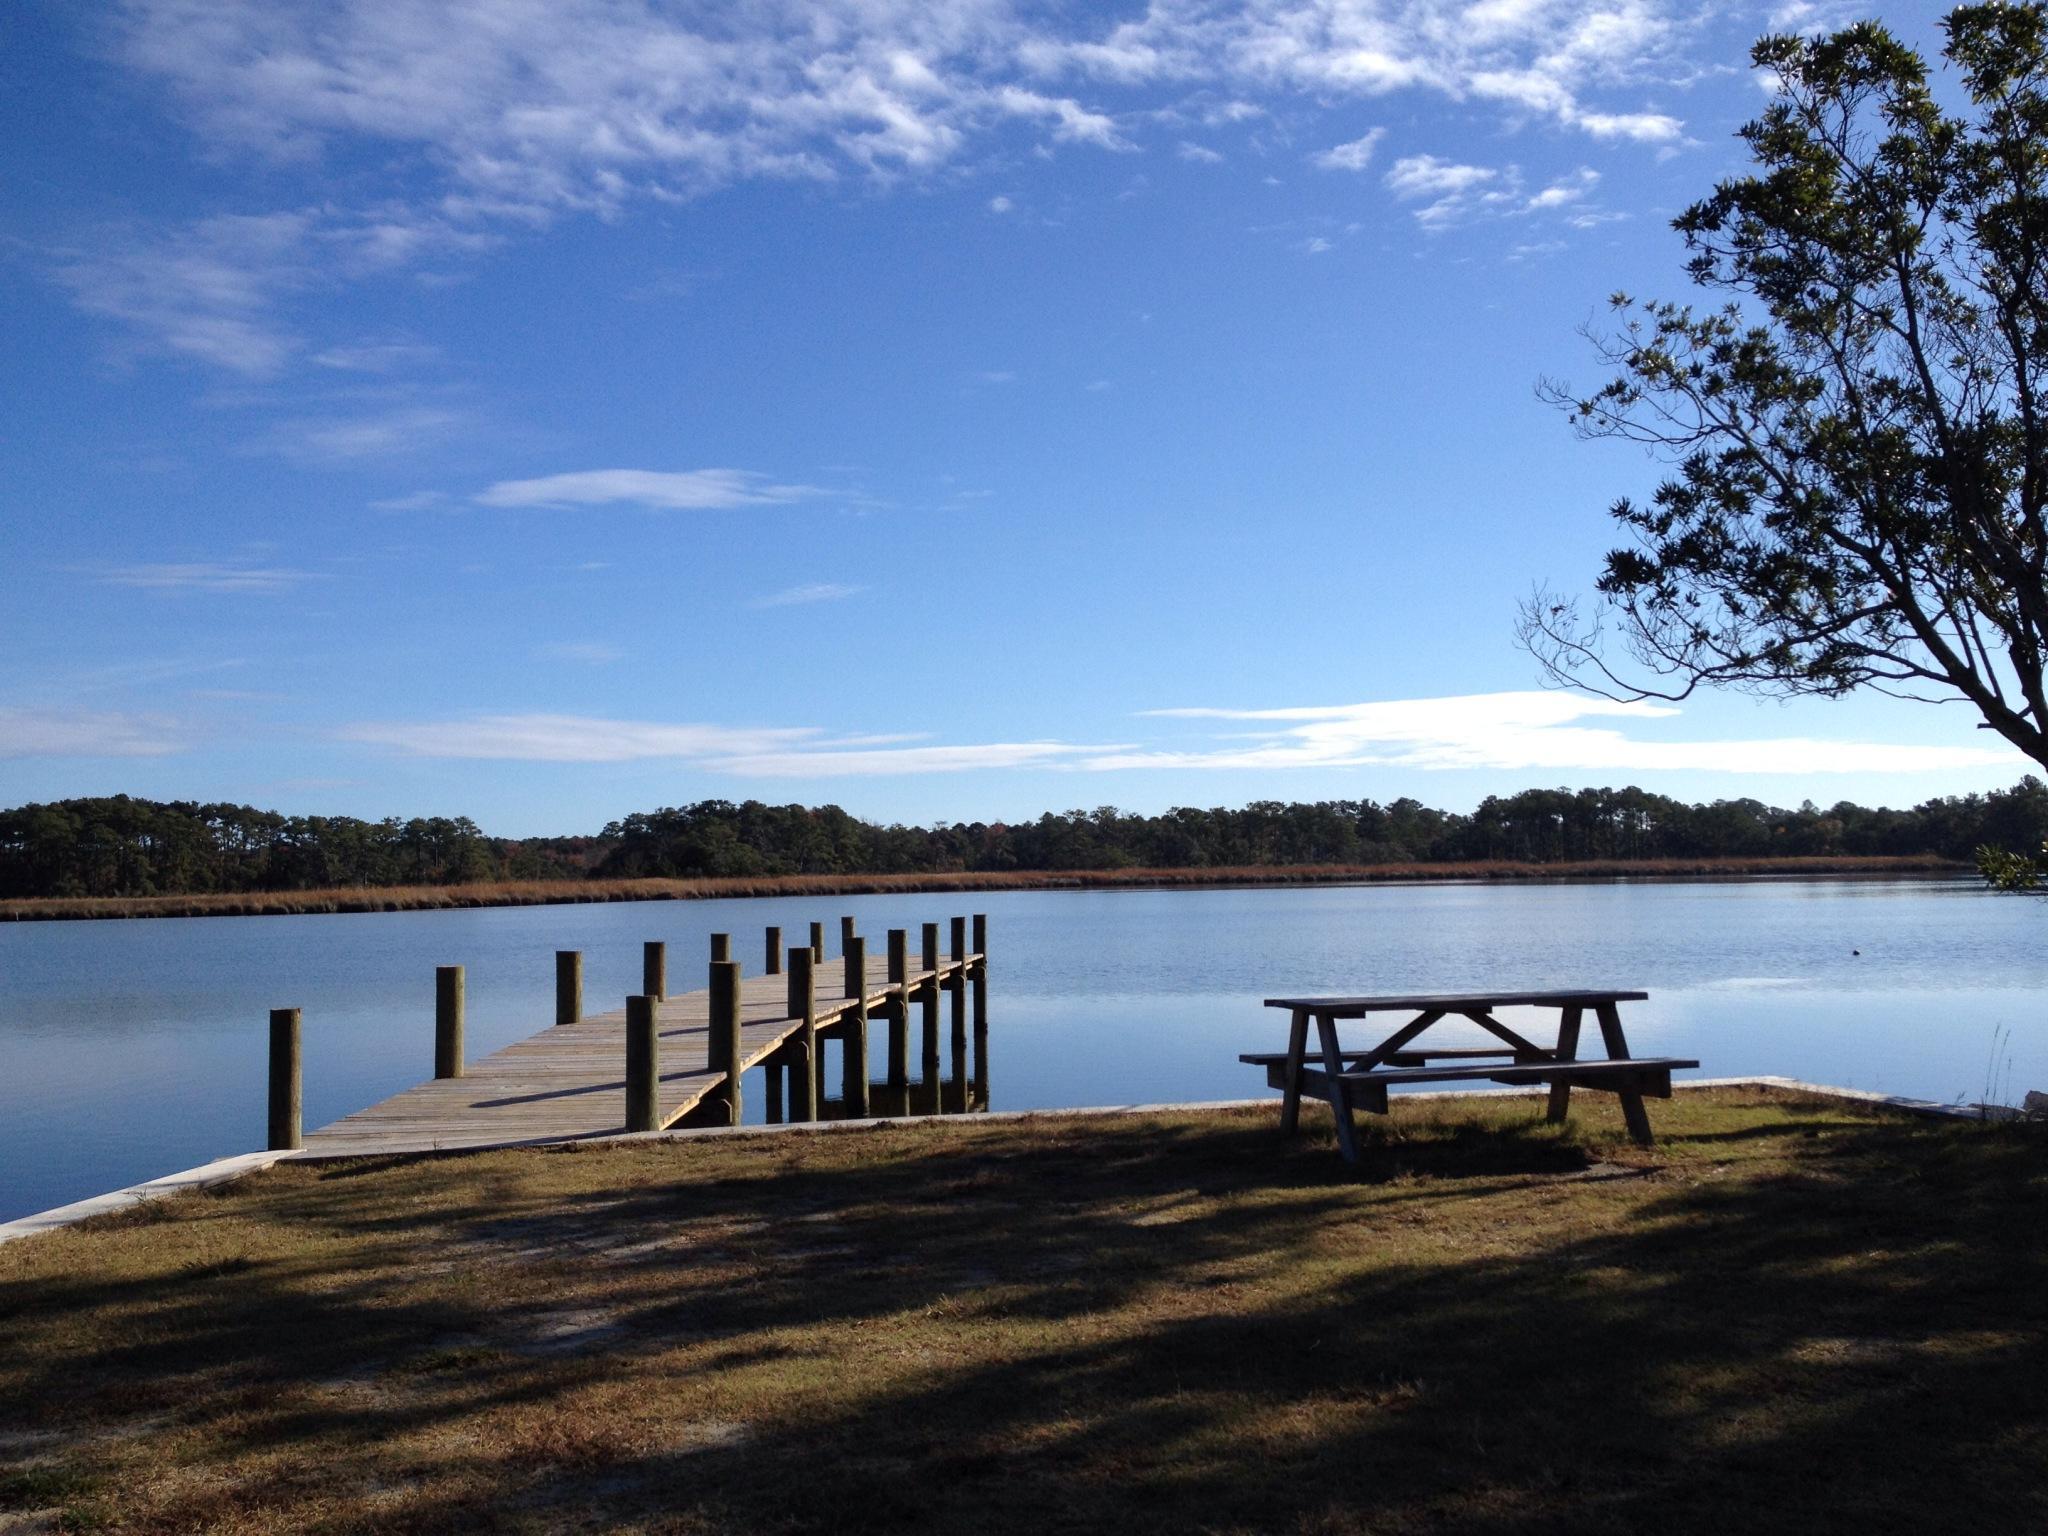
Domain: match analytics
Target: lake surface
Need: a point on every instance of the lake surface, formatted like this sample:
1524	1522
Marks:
131	1049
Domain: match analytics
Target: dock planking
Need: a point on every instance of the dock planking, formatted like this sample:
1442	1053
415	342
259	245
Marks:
568	1082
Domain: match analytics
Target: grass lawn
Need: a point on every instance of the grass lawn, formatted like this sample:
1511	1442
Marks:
1788	1316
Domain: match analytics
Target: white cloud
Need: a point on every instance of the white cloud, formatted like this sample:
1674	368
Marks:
1528	731
1566	191
504	117
78	733
1353	156
204	576
1315	245
1200	154
1427	176
1643	127
669	490
813	592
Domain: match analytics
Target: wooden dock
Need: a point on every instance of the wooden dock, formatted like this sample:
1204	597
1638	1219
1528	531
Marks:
673	1060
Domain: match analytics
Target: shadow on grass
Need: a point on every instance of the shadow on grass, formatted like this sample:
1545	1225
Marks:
1145	1325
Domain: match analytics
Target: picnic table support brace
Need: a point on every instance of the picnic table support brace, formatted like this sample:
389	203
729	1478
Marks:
1340	1102
1632	1111
1297	1045
1567	1050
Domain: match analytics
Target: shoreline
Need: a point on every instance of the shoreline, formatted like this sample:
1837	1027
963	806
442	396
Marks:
575	892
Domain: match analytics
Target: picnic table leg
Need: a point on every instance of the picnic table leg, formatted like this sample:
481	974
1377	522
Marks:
1567	1050
1340	1104
1632	1110
1297	1047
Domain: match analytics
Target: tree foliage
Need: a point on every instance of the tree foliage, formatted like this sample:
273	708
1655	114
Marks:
1857	435
126	847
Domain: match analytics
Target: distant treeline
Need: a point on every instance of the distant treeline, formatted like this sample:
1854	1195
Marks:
127	847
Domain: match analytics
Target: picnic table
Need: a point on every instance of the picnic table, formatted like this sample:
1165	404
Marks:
1353	1078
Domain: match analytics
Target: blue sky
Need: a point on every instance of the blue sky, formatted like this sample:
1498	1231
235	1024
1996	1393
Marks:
544	411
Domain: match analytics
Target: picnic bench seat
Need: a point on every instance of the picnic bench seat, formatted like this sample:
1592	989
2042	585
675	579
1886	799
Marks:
1358	1078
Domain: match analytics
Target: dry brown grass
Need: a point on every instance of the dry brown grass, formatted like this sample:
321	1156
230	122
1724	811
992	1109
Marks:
1788	1317
531	893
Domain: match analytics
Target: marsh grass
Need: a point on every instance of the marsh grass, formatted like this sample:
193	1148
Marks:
531	893
1788	1316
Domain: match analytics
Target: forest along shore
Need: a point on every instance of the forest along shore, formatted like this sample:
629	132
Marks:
534	893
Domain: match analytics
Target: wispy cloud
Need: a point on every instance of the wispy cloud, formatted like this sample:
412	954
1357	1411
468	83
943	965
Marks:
380	434
81	733
1353	156
1520	731
814	592
668	490
377	357
206	576
505	118
592	653
798	752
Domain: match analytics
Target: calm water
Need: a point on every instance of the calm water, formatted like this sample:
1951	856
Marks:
129	1049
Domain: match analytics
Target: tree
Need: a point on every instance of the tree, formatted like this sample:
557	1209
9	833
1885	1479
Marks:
1857	434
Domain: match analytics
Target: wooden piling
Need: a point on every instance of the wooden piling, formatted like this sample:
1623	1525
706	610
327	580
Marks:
643	1066
980	1069
722	1044
817	941
654	969
803	1046
568	985
846	932
448	1004
721	947
959	1011
285	1080
899	1012
928	1018
771	1082
774	952
853	1040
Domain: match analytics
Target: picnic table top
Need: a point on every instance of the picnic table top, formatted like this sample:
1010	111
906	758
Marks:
1453	1002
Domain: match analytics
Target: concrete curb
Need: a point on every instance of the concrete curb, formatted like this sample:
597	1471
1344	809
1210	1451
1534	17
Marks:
222	1170
219	1171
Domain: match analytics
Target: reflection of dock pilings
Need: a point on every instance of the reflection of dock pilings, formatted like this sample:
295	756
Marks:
682	1058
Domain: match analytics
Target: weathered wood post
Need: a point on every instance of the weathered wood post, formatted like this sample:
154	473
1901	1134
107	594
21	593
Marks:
722	1045
853	1042
928	1018
285	1081
817	941
803	1045
448	1000
643	1066
981	1008
774	952
959	1011
771	1082
899	1020
568	985
846	931
721	947
654	969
